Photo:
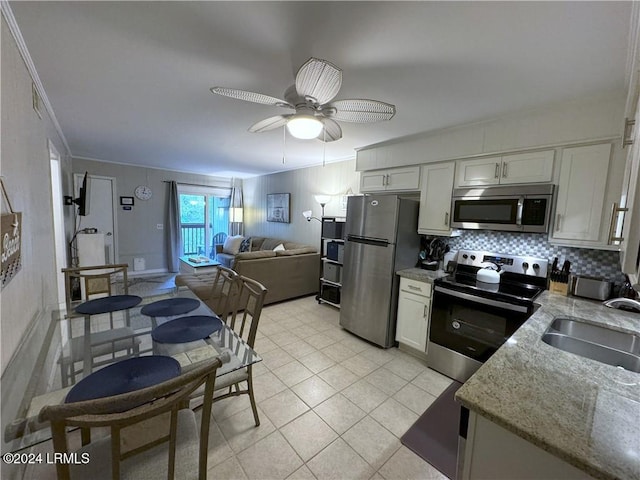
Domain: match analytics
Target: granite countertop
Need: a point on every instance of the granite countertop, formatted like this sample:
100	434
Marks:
421	275
583	411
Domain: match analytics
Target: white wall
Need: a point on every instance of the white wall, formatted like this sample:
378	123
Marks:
333	179
25	168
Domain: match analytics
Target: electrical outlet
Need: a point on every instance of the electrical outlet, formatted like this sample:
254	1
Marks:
160	226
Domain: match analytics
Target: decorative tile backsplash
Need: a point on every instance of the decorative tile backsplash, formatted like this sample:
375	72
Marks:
596	263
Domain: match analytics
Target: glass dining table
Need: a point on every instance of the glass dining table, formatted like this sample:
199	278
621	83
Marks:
85	330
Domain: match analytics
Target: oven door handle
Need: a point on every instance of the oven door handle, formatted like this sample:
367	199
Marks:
482	300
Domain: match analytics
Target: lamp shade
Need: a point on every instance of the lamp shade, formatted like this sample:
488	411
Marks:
322	199
304	127
307	214
235	215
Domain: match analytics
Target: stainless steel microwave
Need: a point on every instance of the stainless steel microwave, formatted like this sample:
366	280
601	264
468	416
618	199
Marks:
522	208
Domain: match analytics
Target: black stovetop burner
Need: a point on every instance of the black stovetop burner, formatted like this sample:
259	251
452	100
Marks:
508	288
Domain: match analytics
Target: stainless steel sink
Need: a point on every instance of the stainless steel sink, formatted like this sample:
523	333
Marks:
596	342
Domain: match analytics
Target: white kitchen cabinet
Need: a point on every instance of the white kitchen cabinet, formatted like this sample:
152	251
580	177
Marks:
493	452
391	179
529	167
581	212
435	199
414	311
532	167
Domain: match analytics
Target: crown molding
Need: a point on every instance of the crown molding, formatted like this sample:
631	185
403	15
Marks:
7	13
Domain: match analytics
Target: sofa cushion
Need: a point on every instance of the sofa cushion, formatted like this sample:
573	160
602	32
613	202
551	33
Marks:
256	243
232	244
245	246
258	254
296	251
270	243
226	259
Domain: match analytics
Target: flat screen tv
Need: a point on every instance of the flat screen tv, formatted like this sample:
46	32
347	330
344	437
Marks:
85	194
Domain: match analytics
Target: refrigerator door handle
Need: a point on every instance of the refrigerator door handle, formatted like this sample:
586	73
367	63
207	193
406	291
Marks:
379	242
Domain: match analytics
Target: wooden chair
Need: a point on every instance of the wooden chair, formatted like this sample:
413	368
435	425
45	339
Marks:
244	321
81	284
140	424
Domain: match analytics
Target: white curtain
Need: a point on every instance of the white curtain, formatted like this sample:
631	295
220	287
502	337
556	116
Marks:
235	228
173	240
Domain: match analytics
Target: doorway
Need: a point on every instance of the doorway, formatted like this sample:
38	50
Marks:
204	219
58	222
101	214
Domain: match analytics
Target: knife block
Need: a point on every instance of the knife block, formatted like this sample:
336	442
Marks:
560	288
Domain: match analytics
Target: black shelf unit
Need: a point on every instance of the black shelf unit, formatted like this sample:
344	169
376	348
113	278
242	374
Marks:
332	251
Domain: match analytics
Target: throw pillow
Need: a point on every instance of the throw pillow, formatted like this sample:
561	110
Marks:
278	247
232	244
245	246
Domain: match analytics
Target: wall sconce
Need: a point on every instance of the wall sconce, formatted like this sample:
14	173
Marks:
235	215
308	214
322	200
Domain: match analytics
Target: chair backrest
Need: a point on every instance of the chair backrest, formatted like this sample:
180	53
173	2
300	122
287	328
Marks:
226	289
81	283
246	316
219	238
122	411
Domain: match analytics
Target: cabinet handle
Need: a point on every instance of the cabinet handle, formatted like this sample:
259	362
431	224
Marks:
446	218
497	172
504	170
424	311
413	287
388	179
615	210
628	130
558	221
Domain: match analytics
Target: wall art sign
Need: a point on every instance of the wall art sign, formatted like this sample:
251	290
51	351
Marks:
10	237
278	207
11	258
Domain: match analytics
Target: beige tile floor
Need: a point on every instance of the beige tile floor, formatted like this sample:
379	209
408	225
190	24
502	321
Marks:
331	406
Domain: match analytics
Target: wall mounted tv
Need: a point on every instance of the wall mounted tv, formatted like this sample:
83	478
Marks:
84	196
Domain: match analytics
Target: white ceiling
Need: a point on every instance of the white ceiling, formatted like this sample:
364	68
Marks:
129	81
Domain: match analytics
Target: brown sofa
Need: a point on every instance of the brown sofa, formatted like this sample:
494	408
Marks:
289	273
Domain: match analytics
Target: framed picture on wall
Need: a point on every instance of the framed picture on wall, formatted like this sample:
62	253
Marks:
278	207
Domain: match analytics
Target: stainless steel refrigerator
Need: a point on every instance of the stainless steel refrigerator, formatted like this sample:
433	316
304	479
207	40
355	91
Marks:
381	238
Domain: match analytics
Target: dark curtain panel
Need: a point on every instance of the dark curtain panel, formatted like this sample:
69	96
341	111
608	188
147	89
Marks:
173	228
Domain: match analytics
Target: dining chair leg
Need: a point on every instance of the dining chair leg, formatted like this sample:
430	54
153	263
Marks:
253	400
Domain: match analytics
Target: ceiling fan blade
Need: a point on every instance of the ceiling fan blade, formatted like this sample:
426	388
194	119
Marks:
318	79
331	131
270	123
359	110
250	97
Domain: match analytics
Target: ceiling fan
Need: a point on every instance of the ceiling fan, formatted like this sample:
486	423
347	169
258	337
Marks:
316	115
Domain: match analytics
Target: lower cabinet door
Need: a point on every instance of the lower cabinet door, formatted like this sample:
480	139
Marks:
413	320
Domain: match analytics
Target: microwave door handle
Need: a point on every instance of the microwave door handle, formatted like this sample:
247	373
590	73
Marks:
519	211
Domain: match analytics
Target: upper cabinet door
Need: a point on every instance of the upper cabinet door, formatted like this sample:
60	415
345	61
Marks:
527	167
435	199
581	192
373	181
391	179
481	171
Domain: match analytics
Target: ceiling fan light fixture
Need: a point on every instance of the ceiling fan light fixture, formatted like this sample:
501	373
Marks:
304	127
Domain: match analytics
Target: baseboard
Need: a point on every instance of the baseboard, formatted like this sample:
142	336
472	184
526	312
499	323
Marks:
146	273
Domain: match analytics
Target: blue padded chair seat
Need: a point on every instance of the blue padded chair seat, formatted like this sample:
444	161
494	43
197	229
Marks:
170	307
186	329
125	376
113	303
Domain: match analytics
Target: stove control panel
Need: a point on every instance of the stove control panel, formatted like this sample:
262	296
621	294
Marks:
524	265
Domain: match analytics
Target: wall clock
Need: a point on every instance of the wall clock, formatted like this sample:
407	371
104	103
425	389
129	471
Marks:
143	192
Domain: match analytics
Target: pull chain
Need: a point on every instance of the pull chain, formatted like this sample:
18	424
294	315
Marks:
324	147
284	143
